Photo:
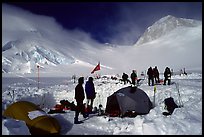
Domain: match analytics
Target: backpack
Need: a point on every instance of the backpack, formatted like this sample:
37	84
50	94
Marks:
170	105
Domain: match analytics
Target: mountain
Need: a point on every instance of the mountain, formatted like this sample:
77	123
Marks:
22	55
164	26
28	40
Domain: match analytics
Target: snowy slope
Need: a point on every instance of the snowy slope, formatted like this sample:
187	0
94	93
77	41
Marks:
29	39
164	26
186	120
22	52
182	47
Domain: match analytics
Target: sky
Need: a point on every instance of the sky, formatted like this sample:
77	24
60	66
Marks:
29	31
25	33
119	23
186	120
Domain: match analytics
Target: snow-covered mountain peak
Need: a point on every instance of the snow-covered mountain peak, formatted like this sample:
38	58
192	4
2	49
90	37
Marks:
166	18
174	21
31	39
30	51
164	26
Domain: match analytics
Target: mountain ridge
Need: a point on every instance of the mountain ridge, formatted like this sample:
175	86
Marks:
164	26
64	53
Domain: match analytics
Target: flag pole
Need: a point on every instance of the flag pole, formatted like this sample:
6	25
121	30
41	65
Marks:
38	75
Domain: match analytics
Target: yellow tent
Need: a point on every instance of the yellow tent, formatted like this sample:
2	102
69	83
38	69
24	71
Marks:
38	122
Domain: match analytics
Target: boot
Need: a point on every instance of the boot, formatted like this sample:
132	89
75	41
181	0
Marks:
76	121
85	115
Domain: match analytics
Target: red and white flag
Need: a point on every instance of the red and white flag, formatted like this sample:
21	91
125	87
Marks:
96	68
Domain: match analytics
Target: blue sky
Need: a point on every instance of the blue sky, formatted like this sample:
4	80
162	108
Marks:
112	22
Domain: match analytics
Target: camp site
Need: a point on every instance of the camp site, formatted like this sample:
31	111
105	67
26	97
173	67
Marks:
146	120
102	68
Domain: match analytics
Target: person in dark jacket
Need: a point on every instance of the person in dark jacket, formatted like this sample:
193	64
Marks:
90	92
79	96
167	76
184	71
150	76
133	77
125	78
156	74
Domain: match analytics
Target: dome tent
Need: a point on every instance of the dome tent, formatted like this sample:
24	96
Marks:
38	122
128	99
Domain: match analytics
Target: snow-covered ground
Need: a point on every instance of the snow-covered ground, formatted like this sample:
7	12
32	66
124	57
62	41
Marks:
186	120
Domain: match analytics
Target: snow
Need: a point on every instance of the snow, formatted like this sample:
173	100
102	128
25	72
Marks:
164	26
29	40
186	120
39	39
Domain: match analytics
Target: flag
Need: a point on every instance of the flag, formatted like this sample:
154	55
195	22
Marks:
96	68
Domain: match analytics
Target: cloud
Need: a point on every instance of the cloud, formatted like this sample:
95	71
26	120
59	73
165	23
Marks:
15	19
124	26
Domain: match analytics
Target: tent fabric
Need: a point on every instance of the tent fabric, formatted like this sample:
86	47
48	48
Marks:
113	106
129	99
42	124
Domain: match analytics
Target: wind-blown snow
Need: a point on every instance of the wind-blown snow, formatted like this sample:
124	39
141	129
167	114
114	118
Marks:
30	39
186	120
